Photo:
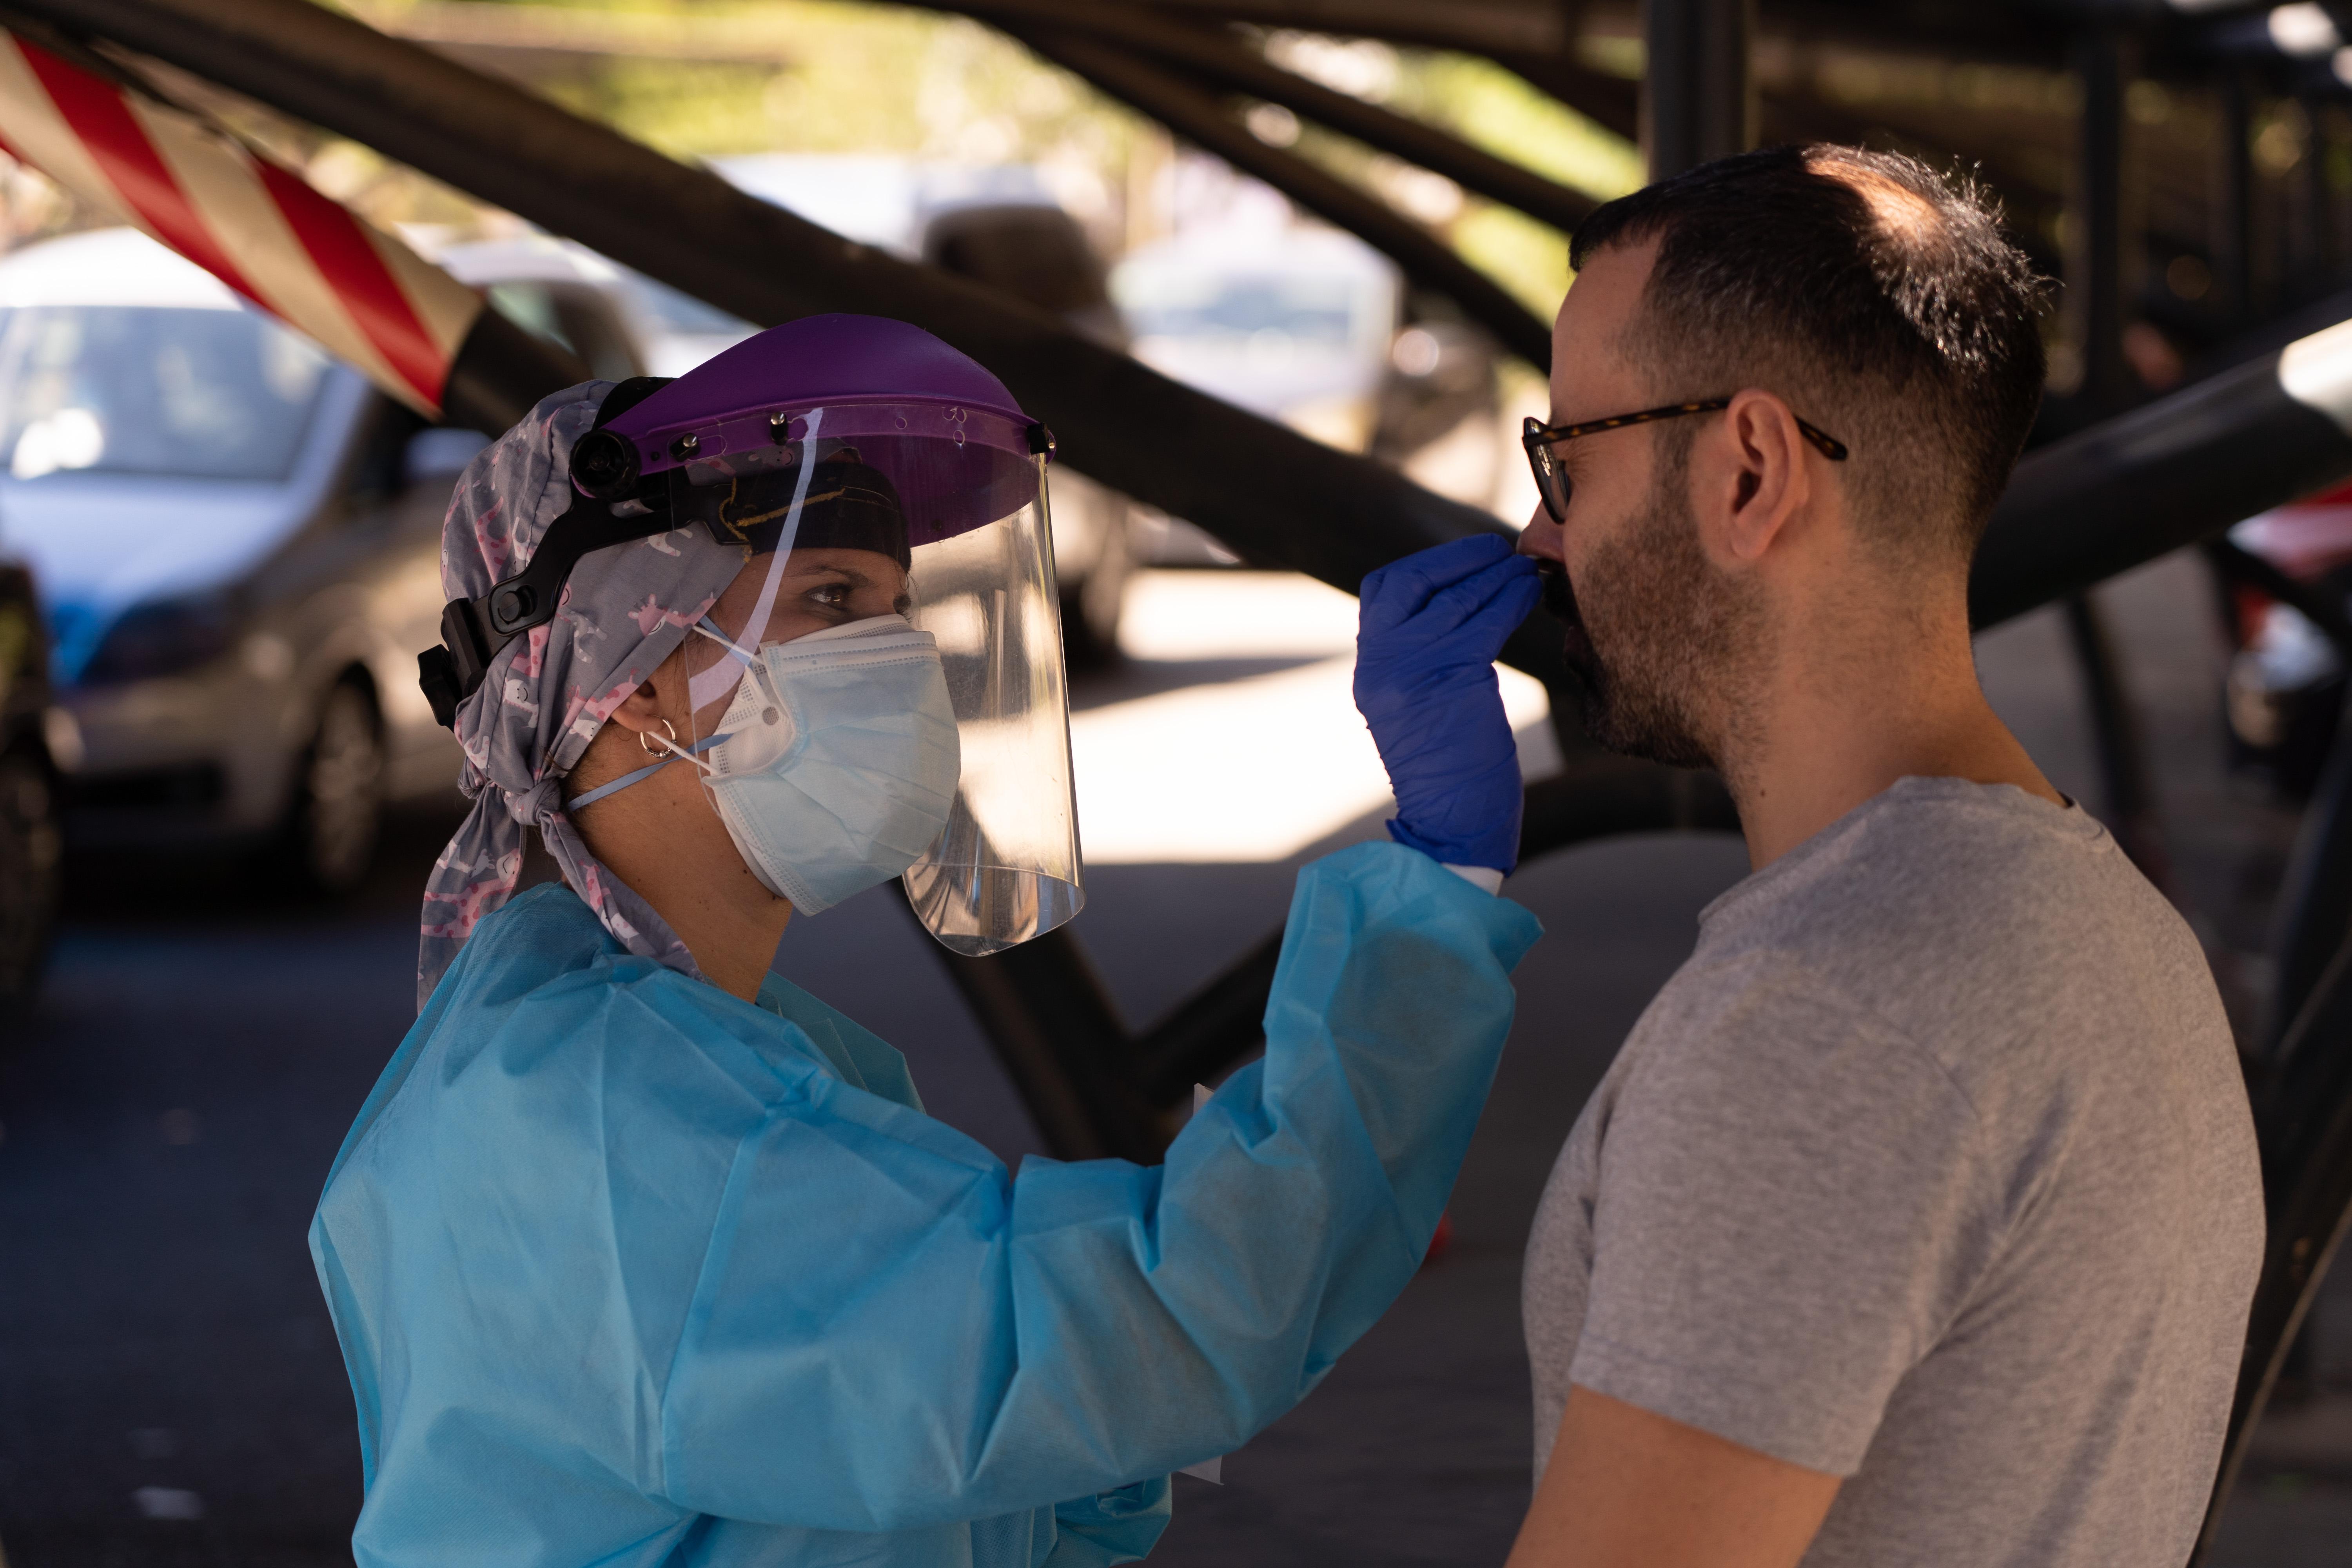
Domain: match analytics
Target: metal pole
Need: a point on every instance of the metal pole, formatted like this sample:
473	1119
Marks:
2233	200
2096	281
2320	248
2118	742
1698	96
2096	264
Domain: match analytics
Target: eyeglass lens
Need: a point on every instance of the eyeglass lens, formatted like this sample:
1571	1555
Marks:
1552	478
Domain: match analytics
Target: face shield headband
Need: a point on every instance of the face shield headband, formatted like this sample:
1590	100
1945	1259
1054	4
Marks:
743	477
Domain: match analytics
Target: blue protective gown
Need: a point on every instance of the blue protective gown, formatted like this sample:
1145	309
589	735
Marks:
628	1270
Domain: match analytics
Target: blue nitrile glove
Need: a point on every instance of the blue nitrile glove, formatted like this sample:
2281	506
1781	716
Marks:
1430	628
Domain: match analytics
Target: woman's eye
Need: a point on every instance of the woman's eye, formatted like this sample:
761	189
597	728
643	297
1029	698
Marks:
833	596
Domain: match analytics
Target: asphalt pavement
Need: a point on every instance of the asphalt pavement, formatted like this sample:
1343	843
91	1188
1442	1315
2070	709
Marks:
171	1393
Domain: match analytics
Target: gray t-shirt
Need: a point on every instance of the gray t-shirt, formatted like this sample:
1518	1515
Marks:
1932	1168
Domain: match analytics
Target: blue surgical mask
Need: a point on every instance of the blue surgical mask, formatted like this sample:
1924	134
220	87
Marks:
837	761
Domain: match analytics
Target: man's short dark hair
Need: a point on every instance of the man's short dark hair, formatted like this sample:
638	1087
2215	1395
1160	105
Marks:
1875	294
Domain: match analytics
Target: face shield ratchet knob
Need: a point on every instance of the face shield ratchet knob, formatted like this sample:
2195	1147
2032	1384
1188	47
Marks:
604	465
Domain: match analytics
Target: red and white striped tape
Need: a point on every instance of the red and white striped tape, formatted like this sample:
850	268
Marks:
257	228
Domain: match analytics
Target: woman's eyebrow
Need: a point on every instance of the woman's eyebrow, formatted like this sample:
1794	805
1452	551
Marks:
812	573
858	575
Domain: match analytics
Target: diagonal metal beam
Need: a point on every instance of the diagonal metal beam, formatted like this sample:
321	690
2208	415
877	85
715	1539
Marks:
1222	62
2169	474
1202	118
1474	26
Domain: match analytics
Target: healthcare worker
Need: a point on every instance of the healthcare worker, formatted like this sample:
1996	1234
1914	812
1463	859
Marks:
640	1255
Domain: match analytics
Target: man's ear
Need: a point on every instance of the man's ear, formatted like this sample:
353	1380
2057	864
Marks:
1761	480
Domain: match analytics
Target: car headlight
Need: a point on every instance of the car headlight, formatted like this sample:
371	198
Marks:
165	637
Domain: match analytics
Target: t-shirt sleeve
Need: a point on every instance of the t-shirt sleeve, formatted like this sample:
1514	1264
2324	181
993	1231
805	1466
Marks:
1793	1200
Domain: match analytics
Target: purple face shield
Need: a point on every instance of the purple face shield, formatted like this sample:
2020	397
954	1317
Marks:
827	439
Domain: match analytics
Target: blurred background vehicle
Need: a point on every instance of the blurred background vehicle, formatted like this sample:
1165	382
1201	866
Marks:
2284	687
1000	226
1293	323
1314	328
617	321
240	540
30	852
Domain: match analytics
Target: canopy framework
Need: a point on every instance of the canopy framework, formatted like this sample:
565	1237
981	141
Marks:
2141	474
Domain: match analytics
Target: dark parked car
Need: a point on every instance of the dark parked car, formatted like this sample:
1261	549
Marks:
29	847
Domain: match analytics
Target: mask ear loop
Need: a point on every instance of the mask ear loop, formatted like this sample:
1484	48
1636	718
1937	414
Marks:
658	745
711	629
738	655
710	684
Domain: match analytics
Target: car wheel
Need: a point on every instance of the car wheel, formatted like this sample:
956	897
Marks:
338	813
31	854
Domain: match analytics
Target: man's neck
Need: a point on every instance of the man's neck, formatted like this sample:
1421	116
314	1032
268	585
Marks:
1844	724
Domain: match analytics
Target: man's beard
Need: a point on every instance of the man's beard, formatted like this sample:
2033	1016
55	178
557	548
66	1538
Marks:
1665	647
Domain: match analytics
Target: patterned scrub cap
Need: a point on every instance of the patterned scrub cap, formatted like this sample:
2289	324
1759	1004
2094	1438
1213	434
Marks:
547	693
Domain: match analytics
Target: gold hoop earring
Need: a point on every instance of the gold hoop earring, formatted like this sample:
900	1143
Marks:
645	740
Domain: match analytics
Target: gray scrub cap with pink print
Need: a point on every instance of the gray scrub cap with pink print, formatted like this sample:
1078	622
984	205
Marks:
622	610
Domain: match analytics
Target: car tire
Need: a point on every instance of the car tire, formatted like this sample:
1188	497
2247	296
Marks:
31	877
337	818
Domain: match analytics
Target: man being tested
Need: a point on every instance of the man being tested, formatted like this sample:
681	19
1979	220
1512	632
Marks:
1917	1220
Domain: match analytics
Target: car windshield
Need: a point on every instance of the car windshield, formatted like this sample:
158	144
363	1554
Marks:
197	393
1305	310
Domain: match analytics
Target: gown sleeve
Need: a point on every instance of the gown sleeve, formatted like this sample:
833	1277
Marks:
889	1332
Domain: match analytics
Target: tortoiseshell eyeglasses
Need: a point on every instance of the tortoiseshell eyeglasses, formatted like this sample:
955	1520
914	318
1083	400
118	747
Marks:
1552	479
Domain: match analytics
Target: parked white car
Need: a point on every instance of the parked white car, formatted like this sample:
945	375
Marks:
238	545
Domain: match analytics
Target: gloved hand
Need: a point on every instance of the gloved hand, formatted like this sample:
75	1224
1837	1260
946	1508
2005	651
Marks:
1430	627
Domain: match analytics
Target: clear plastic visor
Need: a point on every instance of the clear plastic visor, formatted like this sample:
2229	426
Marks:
917	537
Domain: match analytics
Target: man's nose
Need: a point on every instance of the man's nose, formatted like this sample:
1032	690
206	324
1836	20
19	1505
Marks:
1542	537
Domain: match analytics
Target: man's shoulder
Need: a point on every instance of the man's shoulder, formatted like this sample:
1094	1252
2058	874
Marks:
1760	1025
2007	945
1963	912
1937	850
